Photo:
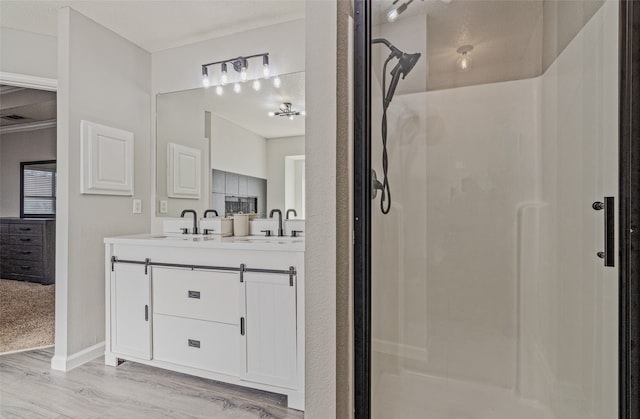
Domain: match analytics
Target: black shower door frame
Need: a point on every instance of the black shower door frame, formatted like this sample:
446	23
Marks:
629	210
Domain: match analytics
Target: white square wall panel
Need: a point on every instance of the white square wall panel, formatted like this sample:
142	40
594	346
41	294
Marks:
183	174
106	160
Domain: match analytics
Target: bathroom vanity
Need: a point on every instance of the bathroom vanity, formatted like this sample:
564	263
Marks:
224	308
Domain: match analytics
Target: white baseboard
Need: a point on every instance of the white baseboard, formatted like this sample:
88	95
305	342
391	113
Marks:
62	363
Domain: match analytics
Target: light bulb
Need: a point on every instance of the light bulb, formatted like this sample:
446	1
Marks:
276	81
303	113
205	77
392	15
265	66
291	117
256	85
271	114
237	88
223	77
219	90
463	63
243	74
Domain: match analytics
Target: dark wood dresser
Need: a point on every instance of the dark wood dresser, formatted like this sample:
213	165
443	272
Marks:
28	249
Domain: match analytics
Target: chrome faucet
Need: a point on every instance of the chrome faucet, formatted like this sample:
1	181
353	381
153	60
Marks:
195	219
280	230
208	211
295	214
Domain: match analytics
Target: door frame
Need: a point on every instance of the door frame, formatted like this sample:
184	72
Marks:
629	210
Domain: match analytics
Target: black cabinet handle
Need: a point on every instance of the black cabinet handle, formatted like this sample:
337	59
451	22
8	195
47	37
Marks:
25	240
25	252
25	229
242	326
25	268
146	313
194	294
194	343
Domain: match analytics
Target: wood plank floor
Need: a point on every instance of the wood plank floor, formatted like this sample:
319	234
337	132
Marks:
29	388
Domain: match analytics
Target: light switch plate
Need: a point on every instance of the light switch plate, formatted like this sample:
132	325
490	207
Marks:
137	206
163	207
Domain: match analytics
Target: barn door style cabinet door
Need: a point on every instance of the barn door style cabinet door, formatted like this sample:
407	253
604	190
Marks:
268	329
131	311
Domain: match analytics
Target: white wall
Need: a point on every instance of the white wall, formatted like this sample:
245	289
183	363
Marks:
102	78
237	150
28	53
320	256
15	148
277	150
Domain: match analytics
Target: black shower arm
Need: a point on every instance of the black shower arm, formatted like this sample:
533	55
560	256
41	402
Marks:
395	52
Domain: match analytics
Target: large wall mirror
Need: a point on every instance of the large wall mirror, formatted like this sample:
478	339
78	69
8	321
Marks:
232	151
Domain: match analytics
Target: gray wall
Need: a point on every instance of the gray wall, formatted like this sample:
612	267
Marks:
234	184
15	148
103	78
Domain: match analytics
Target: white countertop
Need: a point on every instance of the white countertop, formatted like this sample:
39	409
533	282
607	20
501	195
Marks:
285	244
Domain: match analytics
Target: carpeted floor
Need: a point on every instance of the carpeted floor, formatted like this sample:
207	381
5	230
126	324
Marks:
26	315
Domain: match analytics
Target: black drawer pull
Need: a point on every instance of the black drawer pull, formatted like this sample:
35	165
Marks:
25	240
25	268
194	294
242	326
25	252
25	228
194	343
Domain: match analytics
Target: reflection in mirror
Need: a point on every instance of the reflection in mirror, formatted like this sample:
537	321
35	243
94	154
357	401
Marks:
252	153
38	189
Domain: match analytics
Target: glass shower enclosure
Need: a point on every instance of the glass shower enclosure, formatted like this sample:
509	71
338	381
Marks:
491	272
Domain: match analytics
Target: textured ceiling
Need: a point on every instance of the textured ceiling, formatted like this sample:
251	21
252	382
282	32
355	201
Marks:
31	105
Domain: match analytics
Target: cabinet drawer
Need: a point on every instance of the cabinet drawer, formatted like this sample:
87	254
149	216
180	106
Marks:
22	267
30	240
4	229
25	252
202	295
29	229
196	343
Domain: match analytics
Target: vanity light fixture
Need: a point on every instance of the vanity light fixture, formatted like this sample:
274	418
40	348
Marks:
240	65
464	61
286	110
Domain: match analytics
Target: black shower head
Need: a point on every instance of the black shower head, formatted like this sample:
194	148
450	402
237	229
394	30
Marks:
405	64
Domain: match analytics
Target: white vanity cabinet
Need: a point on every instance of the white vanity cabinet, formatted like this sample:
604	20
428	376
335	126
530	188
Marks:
224	310
130	289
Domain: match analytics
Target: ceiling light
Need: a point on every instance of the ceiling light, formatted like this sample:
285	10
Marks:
286	110
243	70
236	87
205	77
394	12
219	90
276	81
256	85
464	61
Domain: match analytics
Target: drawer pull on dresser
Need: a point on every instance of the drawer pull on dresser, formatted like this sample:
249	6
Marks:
194	294
194	343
